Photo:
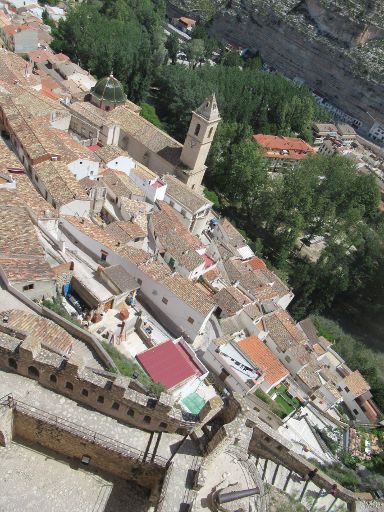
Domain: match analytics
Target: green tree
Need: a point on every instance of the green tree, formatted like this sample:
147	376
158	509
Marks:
149	113
172	45
195	51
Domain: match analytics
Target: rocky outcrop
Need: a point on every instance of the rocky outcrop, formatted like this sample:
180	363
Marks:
336	47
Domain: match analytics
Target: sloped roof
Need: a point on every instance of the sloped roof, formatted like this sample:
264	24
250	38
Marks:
264	359
51	335
231	300
184	195
356	383
282	330
168	363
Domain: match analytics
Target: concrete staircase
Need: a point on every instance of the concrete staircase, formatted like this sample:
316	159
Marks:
87	355
307	493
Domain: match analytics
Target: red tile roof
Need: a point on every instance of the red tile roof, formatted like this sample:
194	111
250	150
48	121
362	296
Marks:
264	359
283	147
256	263
168	364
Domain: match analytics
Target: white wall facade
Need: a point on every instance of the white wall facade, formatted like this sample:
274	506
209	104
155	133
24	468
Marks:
76	207
169	307
83	168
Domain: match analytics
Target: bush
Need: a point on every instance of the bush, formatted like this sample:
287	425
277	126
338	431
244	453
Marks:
57	307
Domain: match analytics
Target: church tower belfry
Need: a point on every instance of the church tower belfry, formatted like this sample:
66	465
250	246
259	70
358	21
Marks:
199	138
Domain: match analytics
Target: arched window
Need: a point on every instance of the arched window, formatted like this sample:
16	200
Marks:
53	378
147	419
197	129
210	133
33	372
12	363
69	386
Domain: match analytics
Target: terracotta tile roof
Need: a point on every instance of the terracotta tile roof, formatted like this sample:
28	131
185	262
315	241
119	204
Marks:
283	330
231	300
318	349
356	383
93	231
179	286
125	231
212	275
173	218
264	359
60	182
121	278
234	236
143	172
310	330
94	115
309	375
8	159
253	311
21	255
175	239
146	133
25	194
120	184
107	239
138	210
333	390
277	146
300	354
51	335
186	197
256	263
108	153
12	69
263	284
39	55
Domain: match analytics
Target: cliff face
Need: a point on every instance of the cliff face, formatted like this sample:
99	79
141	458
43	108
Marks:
336	46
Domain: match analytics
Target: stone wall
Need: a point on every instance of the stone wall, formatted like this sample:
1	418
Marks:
72	444
106	392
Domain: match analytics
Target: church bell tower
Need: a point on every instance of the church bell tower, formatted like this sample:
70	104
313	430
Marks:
199	139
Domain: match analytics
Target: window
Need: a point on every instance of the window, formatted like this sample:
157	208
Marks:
197	129
339	388
116	406
190	320
12	363
347	389
288	359
69	386
210	132
53	379
100	399
164	300
171	203
84	392
355	412
103	256
147	419
33	372
183	212
130	412
28	287
163	425
140	281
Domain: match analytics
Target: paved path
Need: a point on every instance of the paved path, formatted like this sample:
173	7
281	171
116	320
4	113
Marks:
33	394
33	481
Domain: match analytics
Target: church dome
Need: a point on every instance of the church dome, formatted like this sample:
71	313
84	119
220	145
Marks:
109	89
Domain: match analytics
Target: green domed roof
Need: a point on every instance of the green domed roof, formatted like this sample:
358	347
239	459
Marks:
109	89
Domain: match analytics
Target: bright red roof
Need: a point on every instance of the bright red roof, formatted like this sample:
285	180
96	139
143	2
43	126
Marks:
283	147
168	364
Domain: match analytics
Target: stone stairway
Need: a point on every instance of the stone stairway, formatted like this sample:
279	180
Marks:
312	497
87	355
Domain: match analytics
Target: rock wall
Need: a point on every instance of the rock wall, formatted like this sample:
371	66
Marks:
335	47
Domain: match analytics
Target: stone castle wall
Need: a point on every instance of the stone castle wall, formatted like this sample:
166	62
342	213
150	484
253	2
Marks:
105	392
105	458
